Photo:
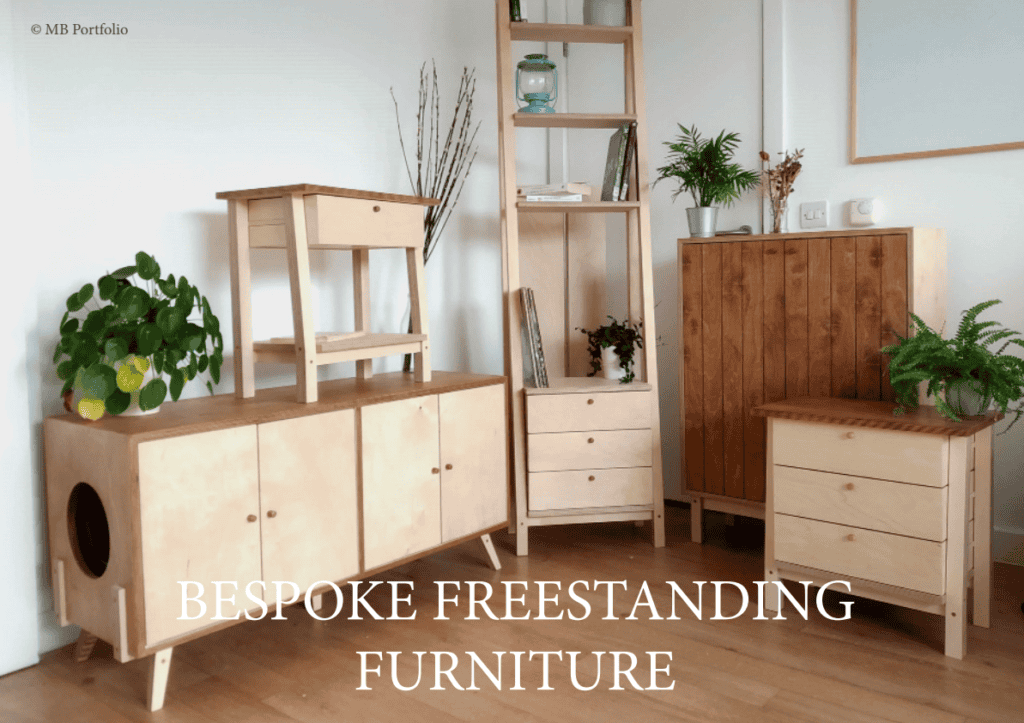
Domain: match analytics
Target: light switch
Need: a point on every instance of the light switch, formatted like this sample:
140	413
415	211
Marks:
814	214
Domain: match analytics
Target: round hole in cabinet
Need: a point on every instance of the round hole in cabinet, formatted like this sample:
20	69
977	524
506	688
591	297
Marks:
88	530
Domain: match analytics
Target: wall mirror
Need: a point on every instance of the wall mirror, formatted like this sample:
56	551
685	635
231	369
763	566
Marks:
935	78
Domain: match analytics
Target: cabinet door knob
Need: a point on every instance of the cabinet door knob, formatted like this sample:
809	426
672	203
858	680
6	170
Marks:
590	401
590	440
591	478
848	435
376	209
251	518
435	470
448	466
849	486
271	513
851	537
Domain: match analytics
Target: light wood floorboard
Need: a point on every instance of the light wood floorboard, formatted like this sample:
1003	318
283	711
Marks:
886	664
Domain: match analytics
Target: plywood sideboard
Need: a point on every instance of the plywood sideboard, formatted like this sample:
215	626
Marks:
377	472
785	315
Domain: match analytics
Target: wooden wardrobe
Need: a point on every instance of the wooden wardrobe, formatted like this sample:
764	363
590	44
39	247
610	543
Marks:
784	315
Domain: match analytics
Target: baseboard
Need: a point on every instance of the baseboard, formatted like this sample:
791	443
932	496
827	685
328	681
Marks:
1008	546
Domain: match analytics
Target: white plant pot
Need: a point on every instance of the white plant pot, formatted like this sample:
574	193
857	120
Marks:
610	366
604	12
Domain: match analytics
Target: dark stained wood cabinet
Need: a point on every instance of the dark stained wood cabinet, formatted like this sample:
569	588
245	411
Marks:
786	315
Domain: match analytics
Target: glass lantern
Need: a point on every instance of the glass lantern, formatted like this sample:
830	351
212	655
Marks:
537	84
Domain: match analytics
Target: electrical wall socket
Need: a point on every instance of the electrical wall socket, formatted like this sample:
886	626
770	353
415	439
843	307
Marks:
814	214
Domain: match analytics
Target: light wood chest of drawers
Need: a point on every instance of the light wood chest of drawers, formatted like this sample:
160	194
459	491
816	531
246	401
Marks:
589	448
900	507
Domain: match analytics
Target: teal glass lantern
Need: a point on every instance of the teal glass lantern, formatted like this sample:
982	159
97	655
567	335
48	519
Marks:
537	84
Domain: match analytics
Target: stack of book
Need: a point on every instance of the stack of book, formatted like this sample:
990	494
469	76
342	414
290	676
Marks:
557	193
618	169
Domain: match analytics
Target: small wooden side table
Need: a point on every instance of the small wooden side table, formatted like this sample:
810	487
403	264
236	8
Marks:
900	507
303	217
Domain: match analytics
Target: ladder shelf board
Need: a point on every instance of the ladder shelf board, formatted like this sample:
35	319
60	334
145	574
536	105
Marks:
553	33
577	206
329	351
572	120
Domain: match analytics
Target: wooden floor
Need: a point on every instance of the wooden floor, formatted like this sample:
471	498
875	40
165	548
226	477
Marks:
885	664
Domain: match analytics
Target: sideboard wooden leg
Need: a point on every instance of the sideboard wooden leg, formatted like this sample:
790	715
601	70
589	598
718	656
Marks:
318	602
697	519
158	678
491	552
83	648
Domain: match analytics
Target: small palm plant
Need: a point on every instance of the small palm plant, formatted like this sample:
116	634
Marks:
964	360
703	168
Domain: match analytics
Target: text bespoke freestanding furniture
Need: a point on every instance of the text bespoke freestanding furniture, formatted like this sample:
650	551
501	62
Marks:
786	315
376	473
584	449
303	217
900	507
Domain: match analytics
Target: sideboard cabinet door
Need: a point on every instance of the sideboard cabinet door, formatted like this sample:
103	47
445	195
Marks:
198	504
401	479
474	466
308	509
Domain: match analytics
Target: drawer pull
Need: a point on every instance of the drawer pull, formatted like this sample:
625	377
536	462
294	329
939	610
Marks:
849	486
851	537
435	470
848	435
251	518
271	513
448	466
376	209
591	478
590	440
590	401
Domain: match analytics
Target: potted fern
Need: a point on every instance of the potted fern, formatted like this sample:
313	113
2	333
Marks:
703	168
964	374
612	348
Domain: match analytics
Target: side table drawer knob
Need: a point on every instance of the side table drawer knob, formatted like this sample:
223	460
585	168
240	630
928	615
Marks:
851	537
590	440
850	486
848	435
251	518
591	478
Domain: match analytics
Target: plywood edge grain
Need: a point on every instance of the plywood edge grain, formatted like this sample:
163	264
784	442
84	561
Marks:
312	189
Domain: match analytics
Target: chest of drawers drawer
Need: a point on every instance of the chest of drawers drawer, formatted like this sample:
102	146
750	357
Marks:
587	412
590	488
589	450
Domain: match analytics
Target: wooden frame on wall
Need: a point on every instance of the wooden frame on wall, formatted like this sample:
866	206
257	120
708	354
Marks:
948	114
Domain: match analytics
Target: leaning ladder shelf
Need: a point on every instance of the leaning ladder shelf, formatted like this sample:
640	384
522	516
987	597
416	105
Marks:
591	451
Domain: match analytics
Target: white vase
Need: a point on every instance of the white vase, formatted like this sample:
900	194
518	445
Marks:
610	366
604	12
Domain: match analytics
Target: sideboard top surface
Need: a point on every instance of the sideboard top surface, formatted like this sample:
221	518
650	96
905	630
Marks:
204	414
879	415
313	190
817	233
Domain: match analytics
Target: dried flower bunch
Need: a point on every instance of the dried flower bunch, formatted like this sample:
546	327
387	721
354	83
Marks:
778	183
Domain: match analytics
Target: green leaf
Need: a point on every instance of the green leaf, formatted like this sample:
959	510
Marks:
133	303
69	327
170	319
99	380
66	370
146	265
58	352
158	362
215	361
124	272
193	368
177	383
67	386
108	287
86	354
94	323
148	339
117	402
85	293
152	395
191	337
209	386
116	348
204	363
74	304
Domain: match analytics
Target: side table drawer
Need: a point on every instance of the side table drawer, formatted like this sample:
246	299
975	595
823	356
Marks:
586	412
881	453
903	509
580	489
588	450
345	221
877	556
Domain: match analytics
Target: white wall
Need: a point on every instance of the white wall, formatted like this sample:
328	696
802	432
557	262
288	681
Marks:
127	139
976	198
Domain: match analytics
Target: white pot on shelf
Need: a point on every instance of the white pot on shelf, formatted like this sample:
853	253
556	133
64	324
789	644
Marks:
604	12
610	366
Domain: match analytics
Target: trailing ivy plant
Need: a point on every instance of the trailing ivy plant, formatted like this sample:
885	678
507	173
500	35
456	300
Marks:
133	325
927	357
625	337
702	167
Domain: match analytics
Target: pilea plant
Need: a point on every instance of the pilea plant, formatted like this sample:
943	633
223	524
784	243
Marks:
964	359
106	353
623	336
